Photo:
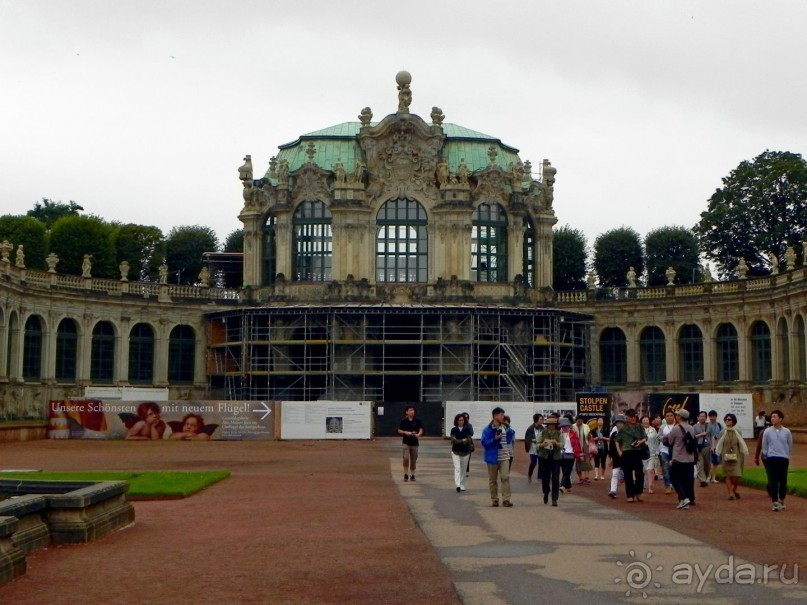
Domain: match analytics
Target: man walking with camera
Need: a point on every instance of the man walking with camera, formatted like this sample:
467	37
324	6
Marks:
497	457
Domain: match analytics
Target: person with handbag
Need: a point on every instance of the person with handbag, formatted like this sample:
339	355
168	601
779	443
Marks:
461	440
732	449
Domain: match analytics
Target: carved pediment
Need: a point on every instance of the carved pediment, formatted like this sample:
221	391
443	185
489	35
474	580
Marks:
492	185
310	184
402	153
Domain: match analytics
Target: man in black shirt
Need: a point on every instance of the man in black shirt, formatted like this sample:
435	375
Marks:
410	429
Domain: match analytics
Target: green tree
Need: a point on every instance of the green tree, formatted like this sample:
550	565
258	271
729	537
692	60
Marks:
675	247
615	252
184	247
143	247
234	241
569	259
74	236
761	208
28	232
49	211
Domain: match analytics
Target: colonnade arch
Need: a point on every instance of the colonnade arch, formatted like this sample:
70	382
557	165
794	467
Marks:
701	353
69	350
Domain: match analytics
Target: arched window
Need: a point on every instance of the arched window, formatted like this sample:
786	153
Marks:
489	244
313	242
727	352
652	355
181	355
102	356
141	354
690	353
528	253
760	352
801	354
402	244
613	356
269	250
783	347
66	351
32	349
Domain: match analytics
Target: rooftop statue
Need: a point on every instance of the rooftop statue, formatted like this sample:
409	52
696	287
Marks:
86	266
742	269
404	78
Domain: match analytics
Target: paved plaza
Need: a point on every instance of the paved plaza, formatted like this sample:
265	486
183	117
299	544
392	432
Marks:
333	522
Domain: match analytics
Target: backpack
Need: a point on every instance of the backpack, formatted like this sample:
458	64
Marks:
689	442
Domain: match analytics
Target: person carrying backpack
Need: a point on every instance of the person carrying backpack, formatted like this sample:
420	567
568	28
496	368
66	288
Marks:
683	453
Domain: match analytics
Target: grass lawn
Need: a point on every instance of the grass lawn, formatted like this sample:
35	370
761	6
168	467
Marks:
755	477
143	485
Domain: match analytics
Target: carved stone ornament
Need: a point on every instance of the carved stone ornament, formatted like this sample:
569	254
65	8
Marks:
366	116
310	184
245	171
492	184
437	116
402	154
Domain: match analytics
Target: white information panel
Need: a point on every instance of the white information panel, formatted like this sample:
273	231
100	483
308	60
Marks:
326	419
739	404
520	413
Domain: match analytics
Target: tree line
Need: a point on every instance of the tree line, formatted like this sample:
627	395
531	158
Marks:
61	228
759	212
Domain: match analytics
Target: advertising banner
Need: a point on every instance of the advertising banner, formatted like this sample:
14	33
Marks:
595	405
149	420
661	403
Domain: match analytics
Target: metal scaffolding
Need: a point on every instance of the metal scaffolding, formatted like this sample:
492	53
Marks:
398	353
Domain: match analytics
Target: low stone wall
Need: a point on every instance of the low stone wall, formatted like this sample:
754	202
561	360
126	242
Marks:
39	513
11	431
12	559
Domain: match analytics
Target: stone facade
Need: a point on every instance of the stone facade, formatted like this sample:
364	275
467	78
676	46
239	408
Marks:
670	338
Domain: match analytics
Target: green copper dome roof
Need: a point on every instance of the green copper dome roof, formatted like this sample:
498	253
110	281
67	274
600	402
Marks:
340	142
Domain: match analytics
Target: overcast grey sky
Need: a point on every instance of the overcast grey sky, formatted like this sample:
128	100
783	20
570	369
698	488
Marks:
142	111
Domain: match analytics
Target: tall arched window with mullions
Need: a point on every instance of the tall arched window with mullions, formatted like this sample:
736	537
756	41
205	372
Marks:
613	356
402	243
32	349
528	253
489	244
66	350
313	242
141	354
269	250
652	355
181	355
102	355
760	352
728	353
690	353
